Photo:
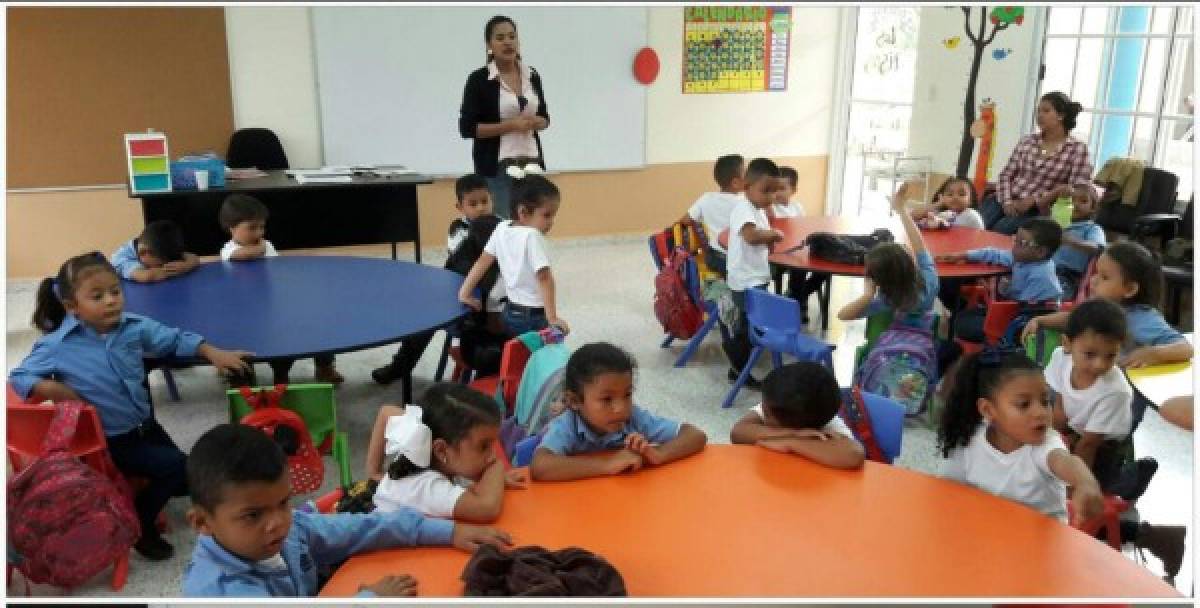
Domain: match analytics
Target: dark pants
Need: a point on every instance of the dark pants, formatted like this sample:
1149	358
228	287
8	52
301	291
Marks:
948	293
800	284
1070	280
148	452
737	348
715	260
520	319
281	367
995	220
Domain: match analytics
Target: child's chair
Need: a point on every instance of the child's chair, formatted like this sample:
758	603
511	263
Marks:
1041	345
27	425
774	325
887	423
1108	520
316	406
694	280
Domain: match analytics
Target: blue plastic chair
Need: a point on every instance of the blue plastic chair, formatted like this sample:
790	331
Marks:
523	455
887	422
692	282
775	326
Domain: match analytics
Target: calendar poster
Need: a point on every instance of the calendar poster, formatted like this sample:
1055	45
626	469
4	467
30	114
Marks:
735	49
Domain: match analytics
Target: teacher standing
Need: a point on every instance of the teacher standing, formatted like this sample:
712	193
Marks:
503	108
1043	167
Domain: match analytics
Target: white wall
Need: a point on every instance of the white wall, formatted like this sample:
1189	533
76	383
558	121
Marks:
701	127
936	127
272	76
274	85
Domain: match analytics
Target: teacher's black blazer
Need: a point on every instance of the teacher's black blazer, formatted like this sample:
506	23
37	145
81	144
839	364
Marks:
481	104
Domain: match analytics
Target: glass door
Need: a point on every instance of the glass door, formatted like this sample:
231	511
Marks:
875	132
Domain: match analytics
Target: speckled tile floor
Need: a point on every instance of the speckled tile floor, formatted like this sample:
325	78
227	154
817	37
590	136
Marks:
617	308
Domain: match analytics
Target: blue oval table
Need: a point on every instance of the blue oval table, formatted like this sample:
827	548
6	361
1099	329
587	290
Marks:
300	306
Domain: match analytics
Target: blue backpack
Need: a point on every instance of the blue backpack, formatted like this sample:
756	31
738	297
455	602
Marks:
902	366
541	385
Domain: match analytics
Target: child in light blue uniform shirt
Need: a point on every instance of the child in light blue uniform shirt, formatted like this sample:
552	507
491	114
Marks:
155	255
1033	279
92	352
598	390
253	545
1082	240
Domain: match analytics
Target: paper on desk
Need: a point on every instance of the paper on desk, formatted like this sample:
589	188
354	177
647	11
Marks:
322	178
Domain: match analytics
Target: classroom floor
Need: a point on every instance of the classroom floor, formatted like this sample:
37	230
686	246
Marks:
616	308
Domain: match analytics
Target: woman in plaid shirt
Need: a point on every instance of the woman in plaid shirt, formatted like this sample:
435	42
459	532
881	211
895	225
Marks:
1043	167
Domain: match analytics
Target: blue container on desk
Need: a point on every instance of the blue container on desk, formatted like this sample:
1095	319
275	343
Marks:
183	175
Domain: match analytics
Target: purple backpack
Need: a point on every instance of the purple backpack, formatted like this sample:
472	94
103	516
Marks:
902	366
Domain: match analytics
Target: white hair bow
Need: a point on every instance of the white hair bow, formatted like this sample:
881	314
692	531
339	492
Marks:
409	436
516	172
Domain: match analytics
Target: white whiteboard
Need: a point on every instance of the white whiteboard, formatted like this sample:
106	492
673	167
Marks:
390	83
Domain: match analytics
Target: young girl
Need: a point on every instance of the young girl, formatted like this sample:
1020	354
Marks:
995	434
92	352
953	205
519	247
441	456
896	279
601	416
1128	274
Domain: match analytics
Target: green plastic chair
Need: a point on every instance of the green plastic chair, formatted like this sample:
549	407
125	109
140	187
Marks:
876	325
1041	345
315	405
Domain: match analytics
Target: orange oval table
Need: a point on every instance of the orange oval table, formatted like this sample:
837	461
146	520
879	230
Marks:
952	240
743	521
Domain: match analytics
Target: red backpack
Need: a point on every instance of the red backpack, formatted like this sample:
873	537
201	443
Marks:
66	521
680	315
286	428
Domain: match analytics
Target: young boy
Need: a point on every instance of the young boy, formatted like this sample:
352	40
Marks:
713	208
1082	240
1033	278
798	415
1093	411
750	240
801	284
474	204
251	543
245	217
155	255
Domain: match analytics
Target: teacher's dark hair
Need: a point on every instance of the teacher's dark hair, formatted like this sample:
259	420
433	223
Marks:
1063	105
491	25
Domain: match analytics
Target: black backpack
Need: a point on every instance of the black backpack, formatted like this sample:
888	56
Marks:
845	248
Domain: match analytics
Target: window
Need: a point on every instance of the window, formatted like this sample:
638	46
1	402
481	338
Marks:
1131	67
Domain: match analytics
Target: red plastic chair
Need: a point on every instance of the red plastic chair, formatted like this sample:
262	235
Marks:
1109	520
512	363
27	425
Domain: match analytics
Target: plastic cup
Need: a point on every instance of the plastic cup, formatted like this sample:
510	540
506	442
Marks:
201	179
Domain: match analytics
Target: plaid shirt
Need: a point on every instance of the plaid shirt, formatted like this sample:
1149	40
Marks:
1028	172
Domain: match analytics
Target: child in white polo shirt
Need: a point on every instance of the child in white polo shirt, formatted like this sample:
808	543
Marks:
713	208
750	239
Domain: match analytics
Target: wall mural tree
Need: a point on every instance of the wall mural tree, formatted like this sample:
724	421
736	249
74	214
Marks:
1000	18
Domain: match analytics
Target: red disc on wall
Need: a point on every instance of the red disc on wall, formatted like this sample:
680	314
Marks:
645	65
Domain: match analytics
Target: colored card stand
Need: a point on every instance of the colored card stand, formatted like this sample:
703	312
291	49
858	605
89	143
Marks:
148	162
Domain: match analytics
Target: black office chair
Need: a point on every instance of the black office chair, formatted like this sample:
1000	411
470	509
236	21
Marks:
256	147
1177	275
1157	196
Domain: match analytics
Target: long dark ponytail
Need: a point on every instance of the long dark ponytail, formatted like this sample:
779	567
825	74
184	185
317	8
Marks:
49	312
450	410
978	375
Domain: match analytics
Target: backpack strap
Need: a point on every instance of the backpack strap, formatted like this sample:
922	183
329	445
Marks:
62	427
854	411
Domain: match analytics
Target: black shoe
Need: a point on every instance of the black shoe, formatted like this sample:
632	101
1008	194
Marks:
1146	468
751	381
1165	543
384	375
154	548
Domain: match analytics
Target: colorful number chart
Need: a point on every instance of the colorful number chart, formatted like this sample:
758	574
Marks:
149	166
735	49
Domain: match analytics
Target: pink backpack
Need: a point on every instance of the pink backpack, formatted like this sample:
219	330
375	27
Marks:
680	316
66	521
